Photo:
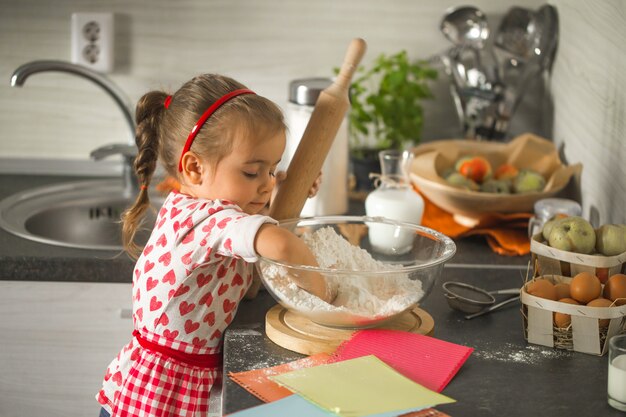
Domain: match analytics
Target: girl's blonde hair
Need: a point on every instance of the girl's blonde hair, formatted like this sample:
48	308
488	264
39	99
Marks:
161	134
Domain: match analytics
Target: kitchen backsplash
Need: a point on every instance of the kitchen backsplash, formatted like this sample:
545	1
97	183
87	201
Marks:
161	43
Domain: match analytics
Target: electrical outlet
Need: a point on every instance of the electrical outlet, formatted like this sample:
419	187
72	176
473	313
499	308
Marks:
92	40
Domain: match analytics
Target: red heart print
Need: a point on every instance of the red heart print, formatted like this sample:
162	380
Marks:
186	258
188	237
203	279
139	313
188	222
164	320
206	299
177	200
155	304
107	375
176	226
203	242
165	259
228	305
228	244
181	290
192	206
137	272
170	334
148	249
186	308
210	318
202	206
221	271
116	396
135	355
228	319
138	295
148	266
162	212
174	212
198	342
237	280
209	226
233	263
216	335
222	289
151	283
117	378
191	326
162	241
160	224
222	224
170	294
170	277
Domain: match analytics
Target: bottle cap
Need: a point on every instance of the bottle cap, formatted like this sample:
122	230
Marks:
305	91
548	207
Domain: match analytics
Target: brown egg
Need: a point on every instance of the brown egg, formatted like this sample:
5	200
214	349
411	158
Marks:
615	289
585	287
562	290
601	302
563	320
541	288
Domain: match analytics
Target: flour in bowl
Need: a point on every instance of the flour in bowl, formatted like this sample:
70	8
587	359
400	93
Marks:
358	293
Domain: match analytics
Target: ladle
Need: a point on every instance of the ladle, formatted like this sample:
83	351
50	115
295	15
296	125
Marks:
465	26
476	301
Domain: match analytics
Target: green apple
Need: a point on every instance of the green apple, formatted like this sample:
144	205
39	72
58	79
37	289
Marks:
611	239
573	234
460	181
496	186
528	181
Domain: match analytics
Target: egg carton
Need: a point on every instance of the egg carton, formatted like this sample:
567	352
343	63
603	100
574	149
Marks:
584	333
548	260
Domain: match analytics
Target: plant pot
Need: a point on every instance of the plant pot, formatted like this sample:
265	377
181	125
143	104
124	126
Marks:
362	163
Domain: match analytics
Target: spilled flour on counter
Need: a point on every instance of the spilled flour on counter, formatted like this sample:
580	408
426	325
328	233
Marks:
358	294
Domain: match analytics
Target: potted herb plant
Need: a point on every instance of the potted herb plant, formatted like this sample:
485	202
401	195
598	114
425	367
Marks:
386	111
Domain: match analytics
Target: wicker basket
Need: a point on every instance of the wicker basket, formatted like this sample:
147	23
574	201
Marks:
584	333
547	261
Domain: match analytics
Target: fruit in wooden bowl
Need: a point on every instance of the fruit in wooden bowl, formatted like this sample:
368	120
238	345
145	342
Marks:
434	161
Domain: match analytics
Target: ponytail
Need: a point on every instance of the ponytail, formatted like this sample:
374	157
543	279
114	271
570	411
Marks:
148	116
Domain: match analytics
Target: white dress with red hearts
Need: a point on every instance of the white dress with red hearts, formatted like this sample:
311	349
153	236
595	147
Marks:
187	284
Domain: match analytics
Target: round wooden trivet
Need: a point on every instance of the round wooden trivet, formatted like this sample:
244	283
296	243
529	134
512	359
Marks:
299	334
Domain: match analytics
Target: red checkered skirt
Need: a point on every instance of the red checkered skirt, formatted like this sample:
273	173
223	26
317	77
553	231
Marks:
160	386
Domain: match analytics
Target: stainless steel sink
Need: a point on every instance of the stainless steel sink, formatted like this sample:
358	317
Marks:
83	214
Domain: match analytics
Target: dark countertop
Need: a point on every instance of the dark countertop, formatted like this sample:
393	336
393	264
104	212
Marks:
26	260
504	376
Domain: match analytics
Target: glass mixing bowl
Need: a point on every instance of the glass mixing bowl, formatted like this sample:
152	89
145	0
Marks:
382	268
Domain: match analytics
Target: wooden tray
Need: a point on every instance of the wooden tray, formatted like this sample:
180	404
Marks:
299	334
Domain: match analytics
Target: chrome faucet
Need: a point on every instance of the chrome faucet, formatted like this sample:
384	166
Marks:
128	151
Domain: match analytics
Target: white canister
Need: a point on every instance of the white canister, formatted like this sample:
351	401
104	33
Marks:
332	197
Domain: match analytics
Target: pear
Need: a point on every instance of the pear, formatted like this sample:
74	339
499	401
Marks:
573	234
460	181
496	186
611	239
547	227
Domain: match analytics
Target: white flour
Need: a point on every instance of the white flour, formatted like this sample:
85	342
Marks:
359	294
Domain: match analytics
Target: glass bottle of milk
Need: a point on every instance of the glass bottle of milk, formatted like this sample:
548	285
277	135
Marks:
395	199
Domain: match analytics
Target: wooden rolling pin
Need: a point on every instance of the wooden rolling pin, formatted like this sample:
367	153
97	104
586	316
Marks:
330	110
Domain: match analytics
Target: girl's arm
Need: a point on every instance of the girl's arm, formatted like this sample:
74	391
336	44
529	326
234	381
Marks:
280	244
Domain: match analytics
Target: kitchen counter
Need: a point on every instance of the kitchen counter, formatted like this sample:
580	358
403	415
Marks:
504	376
26	260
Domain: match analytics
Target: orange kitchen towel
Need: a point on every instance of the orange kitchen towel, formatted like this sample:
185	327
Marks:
506	234
426	360
257	382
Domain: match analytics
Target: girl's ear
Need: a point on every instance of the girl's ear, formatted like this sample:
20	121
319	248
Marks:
192	169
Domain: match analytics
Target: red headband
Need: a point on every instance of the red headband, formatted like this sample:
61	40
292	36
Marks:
204	118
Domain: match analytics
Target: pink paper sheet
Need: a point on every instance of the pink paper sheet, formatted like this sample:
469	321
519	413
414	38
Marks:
428	361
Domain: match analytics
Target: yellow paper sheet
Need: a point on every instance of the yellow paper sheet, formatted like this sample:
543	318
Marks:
359	387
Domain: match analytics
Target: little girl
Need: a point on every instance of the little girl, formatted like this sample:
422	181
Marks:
222	143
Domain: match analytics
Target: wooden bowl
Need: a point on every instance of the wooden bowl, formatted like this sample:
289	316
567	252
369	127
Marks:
524	152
